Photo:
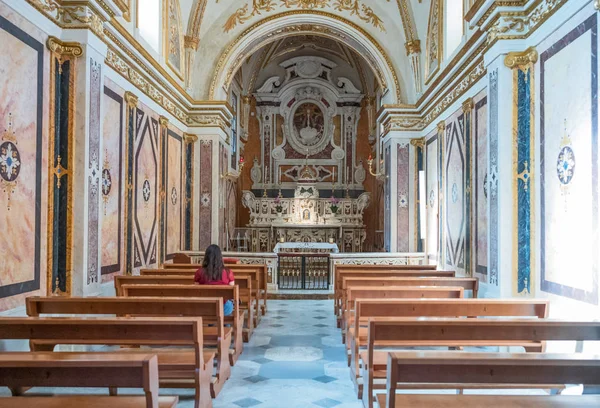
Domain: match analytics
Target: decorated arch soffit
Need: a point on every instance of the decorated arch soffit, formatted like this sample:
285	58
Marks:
173	41
310	22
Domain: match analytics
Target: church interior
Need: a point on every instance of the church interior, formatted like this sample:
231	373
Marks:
394	193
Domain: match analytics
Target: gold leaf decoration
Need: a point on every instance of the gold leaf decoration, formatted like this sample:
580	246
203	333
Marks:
354	7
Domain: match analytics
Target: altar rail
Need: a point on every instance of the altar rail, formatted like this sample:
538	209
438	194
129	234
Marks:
367	258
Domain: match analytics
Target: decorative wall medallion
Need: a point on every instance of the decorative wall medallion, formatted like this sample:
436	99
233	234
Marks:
205	199
565	164
106	182
10	161
174	196
93	178
485	185
309	124
454	192
146	190
431	198
403	201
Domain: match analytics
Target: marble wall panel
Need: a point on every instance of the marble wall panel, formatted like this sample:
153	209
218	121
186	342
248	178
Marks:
23	159
493	179
569	184
146	187
403	219
112	179
205	193
431	193
388	195
174	195
454	192
480	191
223	166
93	261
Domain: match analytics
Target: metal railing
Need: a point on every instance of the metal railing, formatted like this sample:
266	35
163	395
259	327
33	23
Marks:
303	271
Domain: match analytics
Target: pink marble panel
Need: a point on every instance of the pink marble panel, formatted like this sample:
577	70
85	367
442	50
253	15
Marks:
24	126
111	210
402	191
480	181
174	193
205	193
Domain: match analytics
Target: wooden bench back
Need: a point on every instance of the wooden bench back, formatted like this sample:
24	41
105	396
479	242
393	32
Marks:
106	331
244	282
398	292
489	368
471	284
18	369
188	291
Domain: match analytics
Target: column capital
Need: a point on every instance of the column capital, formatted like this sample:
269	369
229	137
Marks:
413	47
164	121
190	41
131	99
420	143
441	126
190	138
520	59
64	48
467	105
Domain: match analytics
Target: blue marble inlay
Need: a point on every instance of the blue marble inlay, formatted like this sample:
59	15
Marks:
256	378
247	402
524	82
325	379
295	341
327	403
292	370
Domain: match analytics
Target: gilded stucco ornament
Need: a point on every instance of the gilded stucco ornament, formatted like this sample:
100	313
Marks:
354	7
64	48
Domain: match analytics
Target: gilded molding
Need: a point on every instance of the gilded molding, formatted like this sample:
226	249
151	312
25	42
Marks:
66	48
191	42
114	61
131	100
441	127
521	59
208	120
435	40
408	22
420	143
163	121
305	28
467	105
413	47
82	15
512	25
355	7
190	138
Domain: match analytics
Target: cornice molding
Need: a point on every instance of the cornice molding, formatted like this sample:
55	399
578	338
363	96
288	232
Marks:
81	15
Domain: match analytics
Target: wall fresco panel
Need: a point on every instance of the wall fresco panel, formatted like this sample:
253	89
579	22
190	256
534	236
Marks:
570	248
23	159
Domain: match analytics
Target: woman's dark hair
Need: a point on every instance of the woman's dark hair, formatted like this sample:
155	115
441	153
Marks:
213	263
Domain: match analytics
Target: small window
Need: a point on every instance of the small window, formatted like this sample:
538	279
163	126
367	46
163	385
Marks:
149	22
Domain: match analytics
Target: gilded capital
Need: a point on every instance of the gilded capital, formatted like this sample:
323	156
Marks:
131	99
418	142
191	42
467	105
164	121
64	48
441	127
520	59
246	99
190	138
413	47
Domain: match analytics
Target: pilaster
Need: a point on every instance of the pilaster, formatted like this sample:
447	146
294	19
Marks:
128	161
162	176
191	206
467	108
441	256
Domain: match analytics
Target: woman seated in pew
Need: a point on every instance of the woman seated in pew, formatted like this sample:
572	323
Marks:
213	272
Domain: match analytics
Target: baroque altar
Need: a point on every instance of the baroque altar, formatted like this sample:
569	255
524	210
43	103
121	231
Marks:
306	217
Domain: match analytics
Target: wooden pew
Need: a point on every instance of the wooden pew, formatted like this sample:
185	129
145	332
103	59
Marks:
471	284
392	292
244	283
154	331
256	272
261	269
495	401
340	270
418	308
96	401
19	370
236	320
458	369
209	309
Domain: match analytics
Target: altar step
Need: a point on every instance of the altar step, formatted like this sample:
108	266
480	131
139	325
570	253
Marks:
300	295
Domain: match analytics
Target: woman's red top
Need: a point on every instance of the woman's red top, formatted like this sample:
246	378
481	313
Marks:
201	278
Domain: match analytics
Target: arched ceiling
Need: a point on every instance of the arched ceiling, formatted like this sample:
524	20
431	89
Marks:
219	23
